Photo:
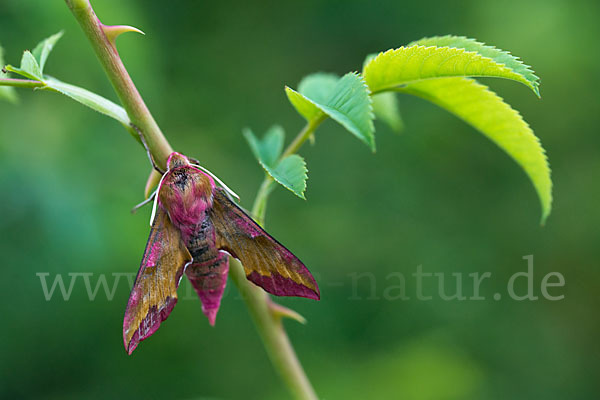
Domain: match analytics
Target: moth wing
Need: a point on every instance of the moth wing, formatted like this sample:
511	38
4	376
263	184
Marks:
154	292
266	262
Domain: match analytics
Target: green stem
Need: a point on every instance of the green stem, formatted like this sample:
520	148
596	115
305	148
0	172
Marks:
258	302
273	334
119	77
22	83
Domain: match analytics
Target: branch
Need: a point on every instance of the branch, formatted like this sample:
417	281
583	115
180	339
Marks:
108	55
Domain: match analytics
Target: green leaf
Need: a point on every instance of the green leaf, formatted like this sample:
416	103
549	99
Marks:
92	100
385	107
290	172
309	110
6	92
488	113
43	49
268	150
348	103
500	56
29	67
319	86
406	65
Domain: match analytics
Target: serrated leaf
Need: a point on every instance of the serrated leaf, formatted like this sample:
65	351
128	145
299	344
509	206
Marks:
268	150
368	59
385	108
29	67
487	112
407	65
291	173
309	110
349	104
43	49
6	92
500	56
89	99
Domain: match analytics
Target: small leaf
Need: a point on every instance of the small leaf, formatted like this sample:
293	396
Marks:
43	49
484	110
385	107
29	67
290	172
318	86
92	100
348	103
268	150
309	110
500	56
6	92
406	65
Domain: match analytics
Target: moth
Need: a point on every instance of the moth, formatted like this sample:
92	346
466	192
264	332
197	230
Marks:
196	226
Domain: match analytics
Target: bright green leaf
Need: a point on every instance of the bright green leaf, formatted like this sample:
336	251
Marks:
395	68
500	56
268	150
368	59
309	110
385	107
349	104
290	172
6	92
92	100
488	113
29	67
43	49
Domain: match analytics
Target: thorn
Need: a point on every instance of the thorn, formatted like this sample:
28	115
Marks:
112	31
278	311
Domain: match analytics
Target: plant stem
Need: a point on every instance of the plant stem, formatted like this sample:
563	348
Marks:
22	83
269	325
119	77
273	334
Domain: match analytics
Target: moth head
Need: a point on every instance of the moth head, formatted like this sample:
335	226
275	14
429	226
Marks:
177	160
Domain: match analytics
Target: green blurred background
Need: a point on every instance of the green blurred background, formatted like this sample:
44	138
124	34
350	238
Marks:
438	195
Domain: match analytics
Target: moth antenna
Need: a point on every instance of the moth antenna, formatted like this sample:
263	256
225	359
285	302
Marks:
220	182
153	215
135	128
143	203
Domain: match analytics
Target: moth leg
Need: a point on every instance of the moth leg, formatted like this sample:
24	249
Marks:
160	171
143	203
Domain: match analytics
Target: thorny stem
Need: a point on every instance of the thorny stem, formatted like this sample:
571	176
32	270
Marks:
268	324
119	77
